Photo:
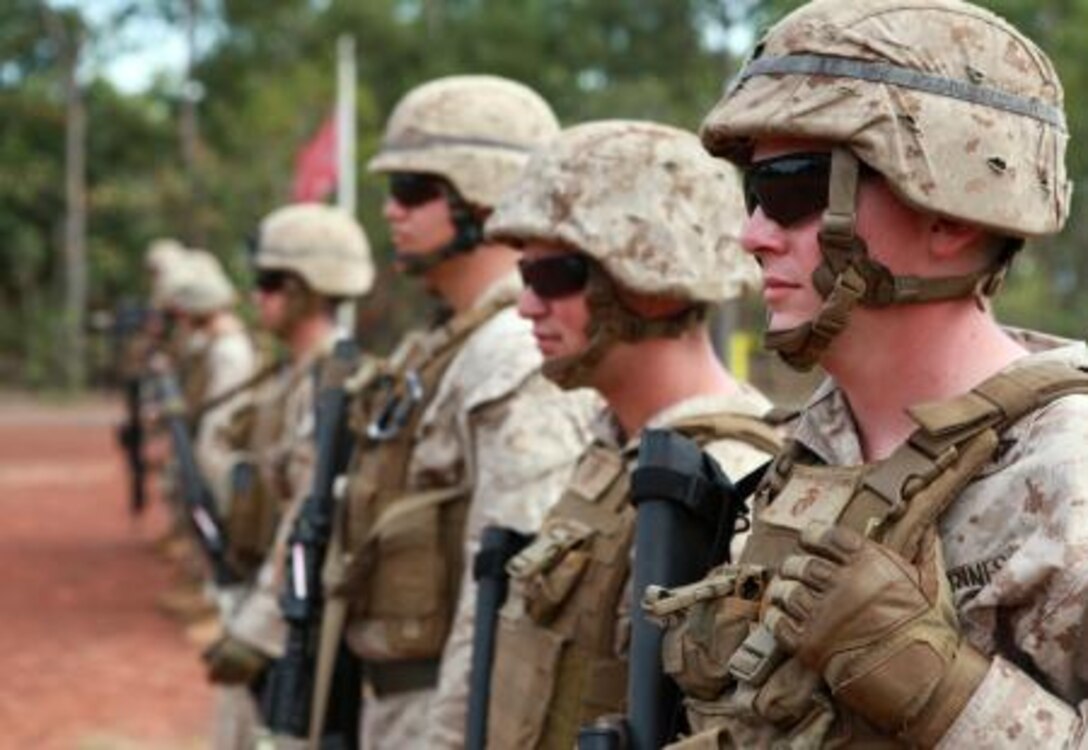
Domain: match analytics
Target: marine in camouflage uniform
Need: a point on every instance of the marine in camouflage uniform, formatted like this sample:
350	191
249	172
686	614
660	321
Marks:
204	298
917	572
309	258
619	283
458	429
159	259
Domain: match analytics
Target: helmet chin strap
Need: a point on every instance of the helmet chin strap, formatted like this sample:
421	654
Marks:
610	321
468	234
848	276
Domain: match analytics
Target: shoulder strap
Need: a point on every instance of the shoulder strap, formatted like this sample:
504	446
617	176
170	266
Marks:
251	382
998	401
457	329
955	440
746	429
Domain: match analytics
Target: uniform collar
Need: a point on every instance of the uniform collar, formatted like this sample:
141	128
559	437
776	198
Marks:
748	402
827	427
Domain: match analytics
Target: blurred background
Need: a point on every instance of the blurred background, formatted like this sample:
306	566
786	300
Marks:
122	121
125	120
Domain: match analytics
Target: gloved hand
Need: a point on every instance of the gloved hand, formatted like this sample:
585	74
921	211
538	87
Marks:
881	631
234	662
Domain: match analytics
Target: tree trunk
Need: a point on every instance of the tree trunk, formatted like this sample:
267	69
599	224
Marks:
75	225
72	343
190	133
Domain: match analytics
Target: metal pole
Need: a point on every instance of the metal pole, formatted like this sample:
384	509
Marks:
345	123
345	147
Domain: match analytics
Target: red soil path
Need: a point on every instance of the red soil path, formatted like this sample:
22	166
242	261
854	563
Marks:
86	660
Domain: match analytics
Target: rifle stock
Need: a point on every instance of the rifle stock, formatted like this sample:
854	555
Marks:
129	321
131	437
687	512
497	545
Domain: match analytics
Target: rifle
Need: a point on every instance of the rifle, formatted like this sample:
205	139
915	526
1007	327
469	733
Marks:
130	435
497	545
288	695
687	514
197	500
128	321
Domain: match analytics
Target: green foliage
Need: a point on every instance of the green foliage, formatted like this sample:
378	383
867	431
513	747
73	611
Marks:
267	75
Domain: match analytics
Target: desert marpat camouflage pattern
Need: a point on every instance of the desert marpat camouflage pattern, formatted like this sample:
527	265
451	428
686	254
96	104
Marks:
1018	537
325	246
477	131
497	425
989	167
201	287
230	361
643	199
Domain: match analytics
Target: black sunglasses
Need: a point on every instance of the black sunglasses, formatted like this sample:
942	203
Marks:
271	282
411	189
555	276
788	188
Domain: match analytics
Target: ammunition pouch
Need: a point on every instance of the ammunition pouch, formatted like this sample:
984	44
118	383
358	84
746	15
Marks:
251	520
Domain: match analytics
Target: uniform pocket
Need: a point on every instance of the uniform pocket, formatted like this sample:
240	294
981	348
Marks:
408	574
523	682
706	625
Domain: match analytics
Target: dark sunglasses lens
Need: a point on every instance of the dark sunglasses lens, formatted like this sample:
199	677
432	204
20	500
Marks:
789	188
554	277
412	190
271	281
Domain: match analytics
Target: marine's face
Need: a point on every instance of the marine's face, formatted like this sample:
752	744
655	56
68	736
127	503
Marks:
787	255
786	186
270	299
418	214
554	298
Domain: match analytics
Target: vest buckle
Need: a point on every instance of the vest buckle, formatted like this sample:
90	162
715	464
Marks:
397	409
758	656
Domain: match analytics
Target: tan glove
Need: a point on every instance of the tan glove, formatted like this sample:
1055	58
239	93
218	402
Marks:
234	662
881	631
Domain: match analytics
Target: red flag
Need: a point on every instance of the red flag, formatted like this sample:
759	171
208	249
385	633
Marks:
315	165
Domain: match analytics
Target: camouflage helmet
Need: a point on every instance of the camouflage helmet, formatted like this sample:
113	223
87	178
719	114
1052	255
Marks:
201	285
326	247
958	110
163	260
162	252
645	200
476	131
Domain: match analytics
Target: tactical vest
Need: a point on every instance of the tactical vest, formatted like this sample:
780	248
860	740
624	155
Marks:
258	487
556	663
404	559
894	501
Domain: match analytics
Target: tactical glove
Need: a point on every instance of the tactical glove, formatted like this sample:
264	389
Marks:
881	631
234	662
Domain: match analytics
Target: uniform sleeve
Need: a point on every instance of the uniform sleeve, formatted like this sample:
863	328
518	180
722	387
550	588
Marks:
523	449
1032	611
1010	710
229	364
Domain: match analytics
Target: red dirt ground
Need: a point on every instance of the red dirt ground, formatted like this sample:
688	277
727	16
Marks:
86	660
